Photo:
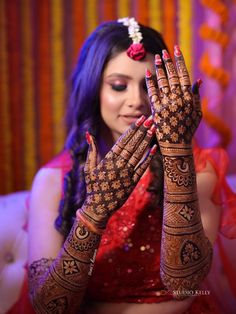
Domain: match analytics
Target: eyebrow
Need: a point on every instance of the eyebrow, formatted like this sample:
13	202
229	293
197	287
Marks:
119	75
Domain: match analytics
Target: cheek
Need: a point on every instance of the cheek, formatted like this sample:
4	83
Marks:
109	101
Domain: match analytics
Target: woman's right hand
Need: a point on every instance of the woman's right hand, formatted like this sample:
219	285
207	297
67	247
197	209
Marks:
109	183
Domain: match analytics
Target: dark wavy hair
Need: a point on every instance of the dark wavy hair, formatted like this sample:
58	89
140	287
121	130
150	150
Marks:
83	114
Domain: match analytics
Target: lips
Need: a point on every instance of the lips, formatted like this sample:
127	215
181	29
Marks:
129	119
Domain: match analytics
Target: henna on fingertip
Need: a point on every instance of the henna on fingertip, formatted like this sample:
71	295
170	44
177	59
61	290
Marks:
182	69
152	94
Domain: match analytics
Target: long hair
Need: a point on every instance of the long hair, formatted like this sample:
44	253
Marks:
83	114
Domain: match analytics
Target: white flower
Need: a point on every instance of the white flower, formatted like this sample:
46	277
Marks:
133	29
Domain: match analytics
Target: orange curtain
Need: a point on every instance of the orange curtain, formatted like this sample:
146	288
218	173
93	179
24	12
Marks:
39	44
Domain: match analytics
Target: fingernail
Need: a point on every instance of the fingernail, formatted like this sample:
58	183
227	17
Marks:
158	60
148	74
152	130
153	150
140	120
196	86
148	122
199	82
165	55
88	137
177	51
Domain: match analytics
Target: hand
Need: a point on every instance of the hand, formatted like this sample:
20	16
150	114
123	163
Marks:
176	109
110	183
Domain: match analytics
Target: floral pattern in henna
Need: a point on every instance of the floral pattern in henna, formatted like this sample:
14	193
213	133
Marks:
190	253
110	182
185	251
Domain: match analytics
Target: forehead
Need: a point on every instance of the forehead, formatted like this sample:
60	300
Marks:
122	64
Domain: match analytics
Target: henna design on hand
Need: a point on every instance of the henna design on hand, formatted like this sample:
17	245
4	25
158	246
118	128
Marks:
179	171
36	270
58	285
176	110
186	253
111	181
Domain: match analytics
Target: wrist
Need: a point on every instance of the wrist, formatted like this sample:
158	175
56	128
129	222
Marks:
90	220
176	149
179	169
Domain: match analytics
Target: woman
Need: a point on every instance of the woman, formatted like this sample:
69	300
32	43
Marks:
106	235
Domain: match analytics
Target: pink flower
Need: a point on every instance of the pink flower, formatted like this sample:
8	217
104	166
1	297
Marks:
136	51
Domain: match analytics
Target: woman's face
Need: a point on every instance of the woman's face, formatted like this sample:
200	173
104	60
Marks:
123	95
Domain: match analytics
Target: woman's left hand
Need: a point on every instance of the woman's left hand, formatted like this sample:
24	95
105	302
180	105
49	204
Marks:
110	182
175	107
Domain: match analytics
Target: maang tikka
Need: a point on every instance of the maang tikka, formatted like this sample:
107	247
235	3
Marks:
136	50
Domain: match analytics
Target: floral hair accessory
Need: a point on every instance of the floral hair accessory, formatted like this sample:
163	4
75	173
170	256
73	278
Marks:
136	50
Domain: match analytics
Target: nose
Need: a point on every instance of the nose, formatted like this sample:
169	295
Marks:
137	97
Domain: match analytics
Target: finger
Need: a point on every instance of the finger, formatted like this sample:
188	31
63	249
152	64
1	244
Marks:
139	152
133	144
182	71
121	142
126	148
139	171
196	86
196	95
172	75
154	99
197	113
162	80
91	160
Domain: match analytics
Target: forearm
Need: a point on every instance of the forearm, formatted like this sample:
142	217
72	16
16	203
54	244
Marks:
186	253
58	286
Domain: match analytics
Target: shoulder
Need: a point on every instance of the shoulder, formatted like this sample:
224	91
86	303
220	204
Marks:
46	189
47	177
62	161
44	200
216	156
46	193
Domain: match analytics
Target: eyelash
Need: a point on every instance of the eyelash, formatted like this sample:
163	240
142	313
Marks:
122	87
118	87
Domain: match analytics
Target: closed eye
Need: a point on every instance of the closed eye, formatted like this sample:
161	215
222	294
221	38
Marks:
119	87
